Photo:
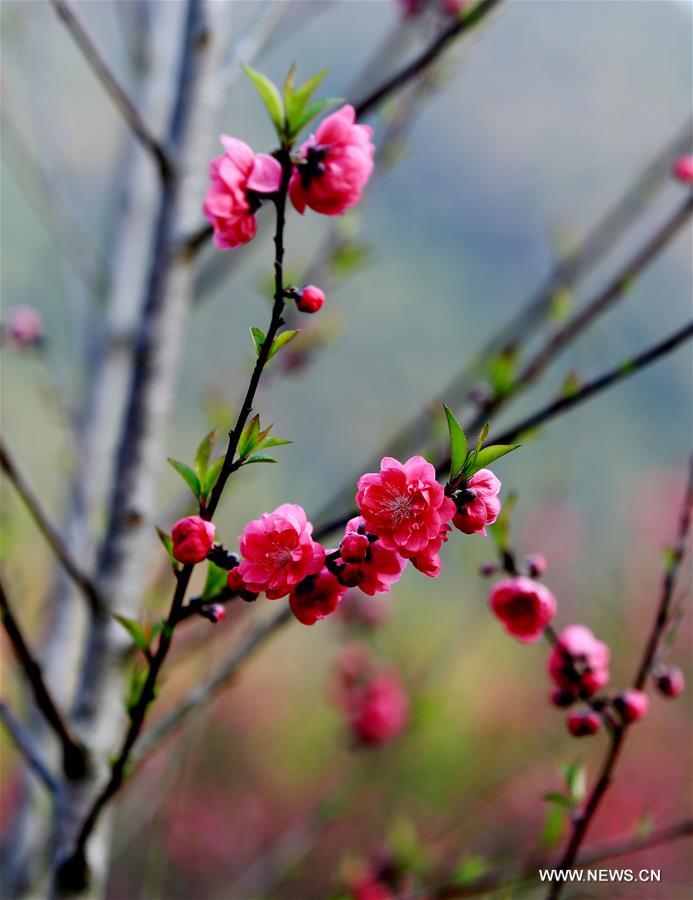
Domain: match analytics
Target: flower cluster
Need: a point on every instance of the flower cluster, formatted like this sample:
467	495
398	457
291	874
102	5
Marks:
328	174
22	327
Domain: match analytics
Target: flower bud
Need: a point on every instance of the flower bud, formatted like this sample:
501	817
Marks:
310	299
670	682
632	705
683	169
583	723
234	580
486	569
562	698
23	327
354	547
216	613
192	539
536	564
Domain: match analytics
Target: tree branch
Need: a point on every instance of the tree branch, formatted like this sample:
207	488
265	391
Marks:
584	819
74	753
114	89
24	743
49	530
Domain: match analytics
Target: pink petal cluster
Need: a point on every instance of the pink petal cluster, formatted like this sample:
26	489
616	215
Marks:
583	723
683	169
632	705
379	568
239	179
279	552
369	612
524	606
579	663
404	505
483	510
23	326
335	165
192	539
379	710
316	597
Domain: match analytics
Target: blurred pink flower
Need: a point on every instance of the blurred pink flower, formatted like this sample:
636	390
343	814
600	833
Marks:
670	682
379	711
484	508
192	538
524	606
23	326
279	552
404	504
316	597
334	166
683	169
378	570
632	705
579	663
239	179
358	609
583	723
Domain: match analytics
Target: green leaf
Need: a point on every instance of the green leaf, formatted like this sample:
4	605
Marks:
259	458
270	97
501	371
458	443
136	680
258	336
470	870
559	799
312	111
487	455
575	779
554	825
272	442
215	581
134	629
188	476
212	476
281	340
203	454
296	98
249	437
168	545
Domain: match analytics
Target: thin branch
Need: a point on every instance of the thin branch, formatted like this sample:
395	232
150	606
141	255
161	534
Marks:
49	530
584	819
494	880
74	753
25	744
113	87
265	630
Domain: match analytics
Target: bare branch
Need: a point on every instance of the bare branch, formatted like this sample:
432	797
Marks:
24	743
50	531
113	87
74	753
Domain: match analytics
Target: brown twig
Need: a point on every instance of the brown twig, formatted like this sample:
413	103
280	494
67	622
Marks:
49	530
74	753
618	735
113	87
25	744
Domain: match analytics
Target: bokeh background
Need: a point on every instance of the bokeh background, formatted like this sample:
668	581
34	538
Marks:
534	127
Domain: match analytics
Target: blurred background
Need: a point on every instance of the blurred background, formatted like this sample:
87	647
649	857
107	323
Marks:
528	132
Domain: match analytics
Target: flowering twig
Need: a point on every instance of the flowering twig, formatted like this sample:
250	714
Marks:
74	754
114	89
25	744
49	530
583	820
494	880
262	632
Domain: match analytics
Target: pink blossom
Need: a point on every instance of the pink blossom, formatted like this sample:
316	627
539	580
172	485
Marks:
379	711
411	8
428	560
683	169
192	539
579	663
380	567
583	723
316	597
525	607
670	682
335	164
404	504
239	179
279	551
632	705
310	299
369	887
23	326
358	609
483	510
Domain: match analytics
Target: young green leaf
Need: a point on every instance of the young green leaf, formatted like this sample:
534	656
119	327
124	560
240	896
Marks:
271	442
203	454
487	455
501	371
258	336
135	630
281	340
212	476
188	476
270	97
249	437
168	545
296	98
559	799
259	458
312	111
458	443
215	581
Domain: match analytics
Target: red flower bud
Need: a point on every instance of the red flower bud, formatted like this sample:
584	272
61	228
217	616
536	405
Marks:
217	613
234	580
192	538
310	299
670	682
632	705
583	723
683	169
354	547
562	698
